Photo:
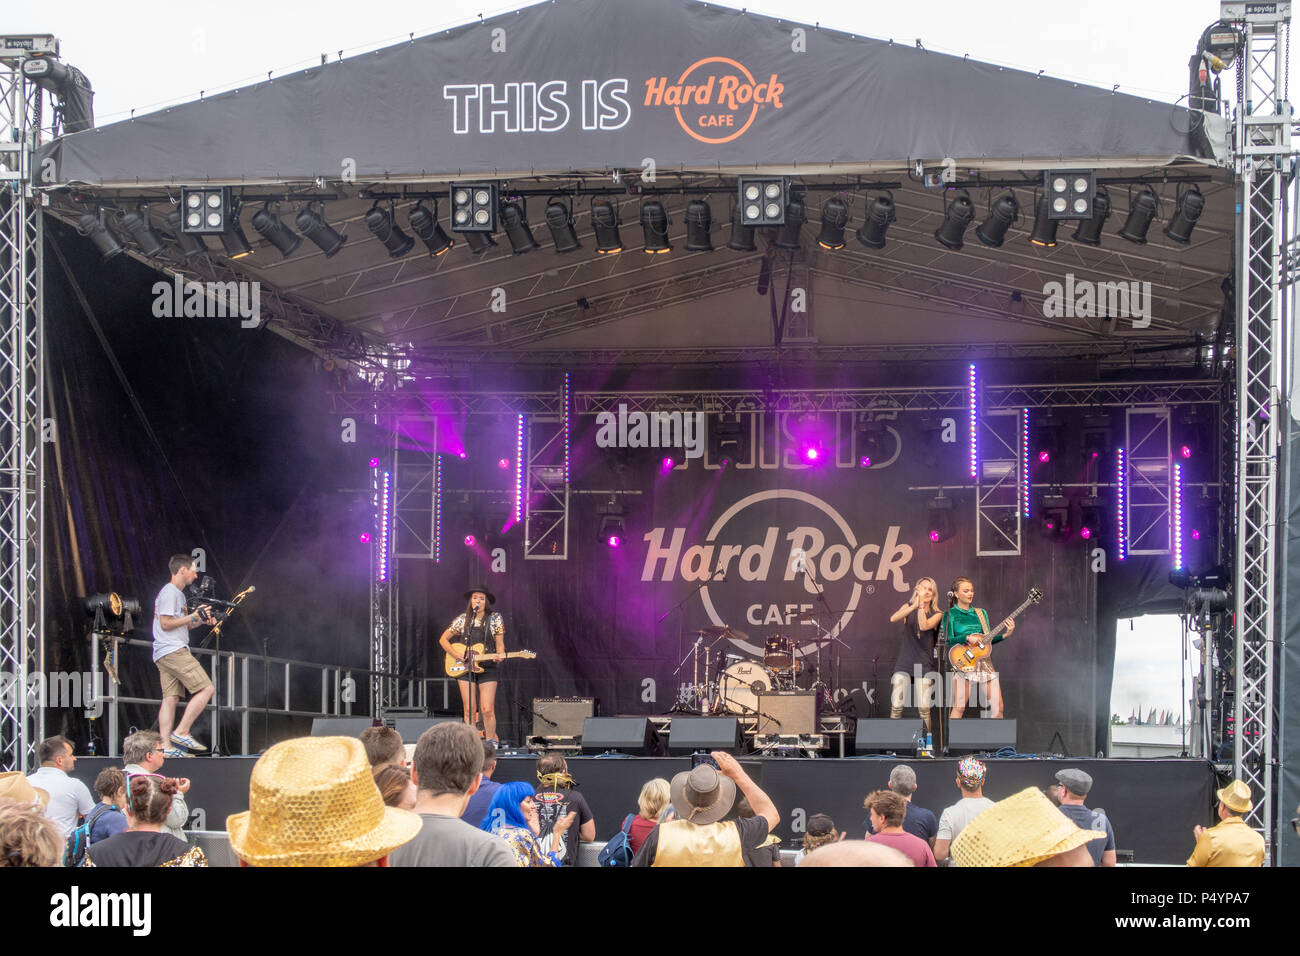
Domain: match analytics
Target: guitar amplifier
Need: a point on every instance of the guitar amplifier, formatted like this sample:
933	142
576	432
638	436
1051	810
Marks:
787	713
565	715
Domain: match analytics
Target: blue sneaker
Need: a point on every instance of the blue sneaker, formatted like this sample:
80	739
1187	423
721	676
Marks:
188	742
172	753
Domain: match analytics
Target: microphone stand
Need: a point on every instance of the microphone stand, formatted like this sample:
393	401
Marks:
835	666
941	652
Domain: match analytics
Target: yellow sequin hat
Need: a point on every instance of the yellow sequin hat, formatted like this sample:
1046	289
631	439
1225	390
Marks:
1021	830
1235	796
313	802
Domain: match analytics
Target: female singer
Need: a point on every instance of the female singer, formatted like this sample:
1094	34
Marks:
475	626
920	618
966	623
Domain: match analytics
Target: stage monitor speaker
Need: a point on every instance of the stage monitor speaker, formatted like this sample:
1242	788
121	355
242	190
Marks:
411	727
881	735
629	735
561	716
983	735
340	726
689	734
787	713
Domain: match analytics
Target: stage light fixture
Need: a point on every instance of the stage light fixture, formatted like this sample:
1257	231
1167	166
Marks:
1069	193
478	242
424	223
113	613
1054	517
94	226
654	223
1141	211
233	239
729	439
957	215
763	200
65	81
1002	213
1047	439
742	236
1096	438
1089	230
880	213
191	245
312	224
268	225
940	519
1044	231
207	210
559	219
137	224
869	441
604	220
514	223
699	223
382	227
835	217
1187	211
796	214
612	526
474	207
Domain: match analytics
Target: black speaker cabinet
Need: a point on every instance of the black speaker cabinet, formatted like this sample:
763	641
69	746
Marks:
411	727
561	716
787	712
881	735
340	726
981	735
629	735
689	734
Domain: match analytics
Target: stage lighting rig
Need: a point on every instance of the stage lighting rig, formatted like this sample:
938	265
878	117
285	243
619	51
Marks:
1044	231
941	526
478	242
68	84
559	219
113	613
94	226
137	224
474	207
1142	209
612	526
699	223
191	245
1003	211
604	220
311	223
957	215
835	216
654	223
1070	193
742	236
880	213
1187	211
233	239
207	210
268	225
382	226
1089	230
514	222
763	200
796	214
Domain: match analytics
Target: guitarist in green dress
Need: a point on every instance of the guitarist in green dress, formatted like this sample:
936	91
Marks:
967	624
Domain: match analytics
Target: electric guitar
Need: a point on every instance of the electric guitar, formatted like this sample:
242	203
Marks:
455	668
964	656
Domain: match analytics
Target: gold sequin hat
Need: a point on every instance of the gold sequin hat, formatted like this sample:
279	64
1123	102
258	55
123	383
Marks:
14	787
1021	830
313	802
1235	796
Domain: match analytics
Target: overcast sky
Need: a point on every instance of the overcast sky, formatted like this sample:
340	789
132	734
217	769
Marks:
148	53
1149	665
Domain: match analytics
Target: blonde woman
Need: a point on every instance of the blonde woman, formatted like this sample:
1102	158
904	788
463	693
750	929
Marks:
650	804
919	618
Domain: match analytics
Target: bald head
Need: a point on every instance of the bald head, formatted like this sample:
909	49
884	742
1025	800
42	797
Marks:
855	853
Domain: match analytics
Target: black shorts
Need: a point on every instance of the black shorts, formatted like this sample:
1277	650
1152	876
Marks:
489	675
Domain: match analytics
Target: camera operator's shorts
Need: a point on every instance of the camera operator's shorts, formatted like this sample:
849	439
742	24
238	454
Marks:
180	668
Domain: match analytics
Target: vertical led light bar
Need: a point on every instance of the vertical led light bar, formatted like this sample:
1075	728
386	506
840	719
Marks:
1121	500
1178	516
566	428
974	452
437	508
519	469
1024	462
383	528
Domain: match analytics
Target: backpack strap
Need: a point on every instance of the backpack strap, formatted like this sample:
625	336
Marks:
627	824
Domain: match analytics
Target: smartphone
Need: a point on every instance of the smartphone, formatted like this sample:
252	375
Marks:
699	758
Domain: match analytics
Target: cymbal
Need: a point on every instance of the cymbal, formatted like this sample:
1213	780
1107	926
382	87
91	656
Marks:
810	616
723	631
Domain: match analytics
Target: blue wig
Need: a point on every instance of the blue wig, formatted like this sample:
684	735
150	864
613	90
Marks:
504	808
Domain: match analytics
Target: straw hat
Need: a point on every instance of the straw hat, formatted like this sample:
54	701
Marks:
1236	796
313	802
14	787
1021	830
702	795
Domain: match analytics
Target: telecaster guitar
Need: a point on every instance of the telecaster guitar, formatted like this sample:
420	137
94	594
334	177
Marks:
964	657
477	652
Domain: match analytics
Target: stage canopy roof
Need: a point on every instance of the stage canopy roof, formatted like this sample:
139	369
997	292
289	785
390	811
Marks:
582	97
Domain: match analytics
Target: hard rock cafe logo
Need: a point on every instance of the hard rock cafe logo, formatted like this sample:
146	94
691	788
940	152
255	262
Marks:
716	99
810	557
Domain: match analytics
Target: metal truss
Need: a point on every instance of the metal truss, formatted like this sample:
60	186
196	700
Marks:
546	491
998	529
1148	467
22	721
1262	157
383	586
415	504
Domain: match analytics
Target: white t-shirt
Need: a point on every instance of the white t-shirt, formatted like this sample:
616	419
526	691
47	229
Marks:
954	818
68	797
171	602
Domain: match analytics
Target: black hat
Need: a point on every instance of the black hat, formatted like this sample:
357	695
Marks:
492	598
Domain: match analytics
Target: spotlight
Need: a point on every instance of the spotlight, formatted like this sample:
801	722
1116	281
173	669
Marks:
514	222
137	224
382	227
479	242
424	223
503	463
233	239
474	207
113	613
763	200
65	81
654	223
207	209
470	540
1003	212
796	214
812	453
374	462
269	227
1188	210
1069	193
869	441
957	215
699	222
1044	232
604	220
191	245
729	439
835	216
1054	517
364	537
1047	438
1096	438
941	519
880	213
1088	518
313	225
1089	231
742	236
612	529
559	219
1141	212
666	465
93	225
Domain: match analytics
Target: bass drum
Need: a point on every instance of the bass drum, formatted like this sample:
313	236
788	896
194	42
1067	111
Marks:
742	682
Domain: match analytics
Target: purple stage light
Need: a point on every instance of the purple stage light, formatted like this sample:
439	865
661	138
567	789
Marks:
865	461
469	540
374	462
811	454
934	535
503	463
1044	456
1185	451
365	537
461	455
1196	534
1085	532
613	541
668	464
